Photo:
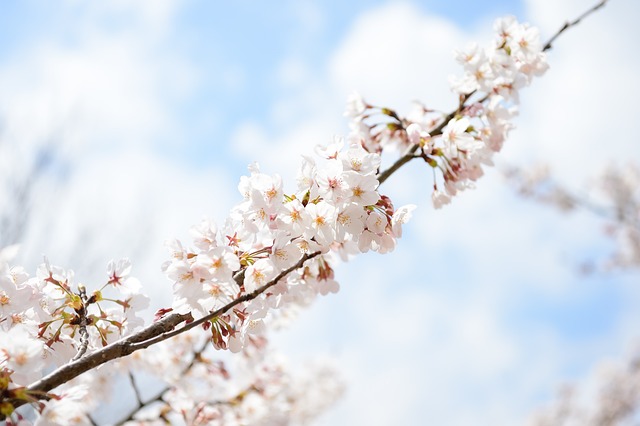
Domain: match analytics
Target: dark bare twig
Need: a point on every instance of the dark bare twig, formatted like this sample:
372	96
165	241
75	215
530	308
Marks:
93	422
568	24
135	388
158	396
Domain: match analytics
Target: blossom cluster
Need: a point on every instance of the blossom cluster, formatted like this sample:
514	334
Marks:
259	387
47	320
459	145
336	207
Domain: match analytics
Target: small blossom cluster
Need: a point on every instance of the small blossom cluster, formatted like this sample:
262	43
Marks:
336	207
47	319
258	387
459	145
507	65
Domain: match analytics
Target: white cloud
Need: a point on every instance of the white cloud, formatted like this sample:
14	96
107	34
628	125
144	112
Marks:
395	54
107	101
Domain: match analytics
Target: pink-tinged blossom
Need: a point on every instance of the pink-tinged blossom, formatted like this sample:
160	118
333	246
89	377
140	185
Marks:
376	222
218	294
305	178
525	43
330	181
176	252
478	75
470	56
119	271
361	189
119	276
258	274
67	410
133	305
13	301
381	243
346	249
266	191
324	281
400	217
307	246
251	325
350	222
61	351
357	159
456	138
220	263
294	218
360	134
327	286
419	136
356	106
188	279
47	273
22	354
323	218
284	253
331	150
439	199
505	28
204	234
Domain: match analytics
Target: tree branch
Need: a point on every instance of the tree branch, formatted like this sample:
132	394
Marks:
157	332
218	312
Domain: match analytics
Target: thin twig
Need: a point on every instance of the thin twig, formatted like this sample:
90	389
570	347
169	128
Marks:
132	413
568	25
93	422
159	331
158	396
136	390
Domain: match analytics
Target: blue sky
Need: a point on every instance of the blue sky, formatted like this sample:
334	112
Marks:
157	108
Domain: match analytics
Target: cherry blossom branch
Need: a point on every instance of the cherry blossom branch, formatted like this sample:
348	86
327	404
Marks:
410	154
244	298
118	349
411	151
157	332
